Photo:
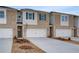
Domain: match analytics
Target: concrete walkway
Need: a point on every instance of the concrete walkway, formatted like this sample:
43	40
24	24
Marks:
5	45
54	46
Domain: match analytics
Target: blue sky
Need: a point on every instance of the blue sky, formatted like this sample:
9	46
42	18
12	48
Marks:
63	9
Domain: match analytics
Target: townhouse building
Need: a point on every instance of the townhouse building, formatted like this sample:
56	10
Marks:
33	23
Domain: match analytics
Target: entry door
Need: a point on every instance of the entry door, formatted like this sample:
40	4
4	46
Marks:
19	31
51	31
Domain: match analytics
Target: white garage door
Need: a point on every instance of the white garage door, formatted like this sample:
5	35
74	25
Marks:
63	33
6	33
36	32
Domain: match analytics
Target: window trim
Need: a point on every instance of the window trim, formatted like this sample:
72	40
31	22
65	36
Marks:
40	17
64	23
5	17
33	15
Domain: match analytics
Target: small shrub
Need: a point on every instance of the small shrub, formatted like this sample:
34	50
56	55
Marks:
14	37
69	38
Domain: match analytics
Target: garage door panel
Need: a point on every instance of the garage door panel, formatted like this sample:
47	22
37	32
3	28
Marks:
63	32
36	33
6	33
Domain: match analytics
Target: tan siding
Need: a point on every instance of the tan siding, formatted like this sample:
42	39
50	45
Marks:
11	21
44	23
71	20
57	24
40	24
58	18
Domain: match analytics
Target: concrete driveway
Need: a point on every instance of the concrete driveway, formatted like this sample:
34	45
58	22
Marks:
54	46
5	45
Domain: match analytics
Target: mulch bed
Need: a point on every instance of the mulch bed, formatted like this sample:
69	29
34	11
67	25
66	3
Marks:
68	40
25	46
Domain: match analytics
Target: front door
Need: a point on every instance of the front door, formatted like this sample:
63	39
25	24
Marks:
19	31
51	31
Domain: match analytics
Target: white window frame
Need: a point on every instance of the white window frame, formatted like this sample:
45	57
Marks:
32	15
64	23
20	19
42	15
29	21
3	20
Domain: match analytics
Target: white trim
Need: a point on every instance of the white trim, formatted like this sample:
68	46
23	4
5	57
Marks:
29	21
18	18
3	20
32	16
64	23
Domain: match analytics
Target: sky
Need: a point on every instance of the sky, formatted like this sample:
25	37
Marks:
63	9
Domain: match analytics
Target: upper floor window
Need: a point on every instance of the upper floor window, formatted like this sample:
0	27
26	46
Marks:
29	16
64	20
3	17
42	17
1	14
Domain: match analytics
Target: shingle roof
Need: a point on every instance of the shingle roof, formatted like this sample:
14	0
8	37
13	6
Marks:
65	13
7	7
34	10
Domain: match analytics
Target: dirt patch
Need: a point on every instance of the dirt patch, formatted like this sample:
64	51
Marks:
25	46
73	42
68	41
21	41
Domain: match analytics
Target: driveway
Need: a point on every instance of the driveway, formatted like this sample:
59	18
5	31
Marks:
5	45
54	46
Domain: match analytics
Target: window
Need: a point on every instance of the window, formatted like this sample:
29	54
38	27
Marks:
42	17
64	20
26	15
1	14
29	16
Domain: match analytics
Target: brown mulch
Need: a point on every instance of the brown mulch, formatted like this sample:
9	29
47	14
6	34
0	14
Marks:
73	42
25	46
68	41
